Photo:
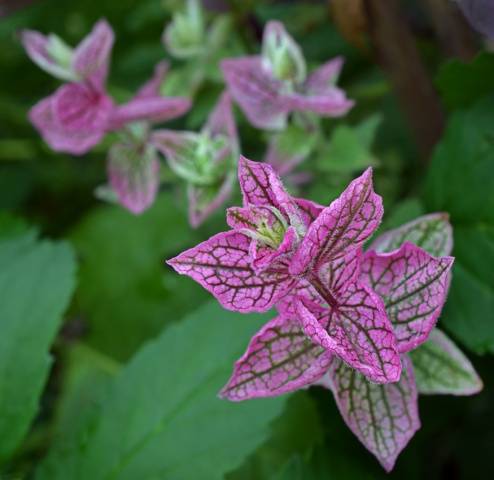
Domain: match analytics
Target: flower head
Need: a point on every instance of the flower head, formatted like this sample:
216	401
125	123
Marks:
412	285
305	260
205	161
271	85
79	114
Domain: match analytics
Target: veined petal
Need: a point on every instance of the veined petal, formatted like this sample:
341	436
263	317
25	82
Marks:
302	291
204	200
265	258
431	232
324	76
343	226
43	49
383	417
309	210
357	331
134	175
442	368
331	103
222	266
256	91
151	88
221	121
261	186
73	119
92	56
179	148
279	359
413	286
151	109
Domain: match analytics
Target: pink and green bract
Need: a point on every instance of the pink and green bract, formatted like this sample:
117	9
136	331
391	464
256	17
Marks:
300	257
206	161
80	113
413	284
268	87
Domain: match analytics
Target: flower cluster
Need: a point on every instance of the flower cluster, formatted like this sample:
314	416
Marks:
268	87
80	113
359	322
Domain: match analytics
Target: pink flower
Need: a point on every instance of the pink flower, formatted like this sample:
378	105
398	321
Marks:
133	164
270	86
78	115
75	118
412	285
205	160
305	259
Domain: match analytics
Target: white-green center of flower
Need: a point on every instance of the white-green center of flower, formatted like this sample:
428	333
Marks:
270	228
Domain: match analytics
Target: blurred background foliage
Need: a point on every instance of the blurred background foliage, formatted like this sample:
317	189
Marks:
131	391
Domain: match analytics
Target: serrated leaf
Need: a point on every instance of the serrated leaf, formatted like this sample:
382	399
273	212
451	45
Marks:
161	418
460	182
36	283
126	293
441	368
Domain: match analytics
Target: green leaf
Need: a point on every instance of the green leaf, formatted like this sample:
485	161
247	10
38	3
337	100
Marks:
161	417
441	368
461	84
296	432
350	147
36	283
126	292
461	182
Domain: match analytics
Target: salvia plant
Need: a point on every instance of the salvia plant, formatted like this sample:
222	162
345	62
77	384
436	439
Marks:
357	322
355	309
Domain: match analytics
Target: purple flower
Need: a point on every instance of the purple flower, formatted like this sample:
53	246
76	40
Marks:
305	259
270	86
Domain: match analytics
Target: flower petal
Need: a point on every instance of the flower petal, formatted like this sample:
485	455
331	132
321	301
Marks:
442	368
383	417
431	232
309	210
343	226
92	56
40	47
413	286
222	266
151	109
256	91
332	103
134	175
261	186
71	120
279	359
324	76
357	331
152	87
221	121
